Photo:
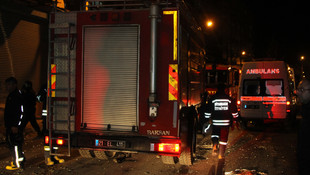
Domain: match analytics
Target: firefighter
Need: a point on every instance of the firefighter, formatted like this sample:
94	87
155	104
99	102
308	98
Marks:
49	159
303	144
41	97
221	108
203	104
14	122
30	106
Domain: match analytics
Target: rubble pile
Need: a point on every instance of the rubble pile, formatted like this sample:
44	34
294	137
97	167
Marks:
244	172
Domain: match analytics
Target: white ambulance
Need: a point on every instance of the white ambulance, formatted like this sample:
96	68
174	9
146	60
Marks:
266	91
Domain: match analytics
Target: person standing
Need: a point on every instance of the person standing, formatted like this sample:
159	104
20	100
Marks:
221	109
303	144
14	122
41	98
49	159
30	106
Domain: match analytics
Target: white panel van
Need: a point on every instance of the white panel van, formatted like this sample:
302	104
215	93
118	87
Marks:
266	91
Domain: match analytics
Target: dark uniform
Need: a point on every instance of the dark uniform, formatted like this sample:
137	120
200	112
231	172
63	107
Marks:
30	106
221	108
14	117
41	97
303	144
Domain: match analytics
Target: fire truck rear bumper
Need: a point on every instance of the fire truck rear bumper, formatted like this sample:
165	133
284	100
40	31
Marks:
128	143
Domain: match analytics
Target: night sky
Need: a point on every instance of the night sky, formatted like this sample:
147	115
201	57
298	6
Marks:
282	30
282	25
272	28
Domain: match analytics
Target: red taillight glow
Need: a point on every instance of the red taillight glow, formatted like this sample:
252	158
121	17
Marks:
169	147
46	139
60	142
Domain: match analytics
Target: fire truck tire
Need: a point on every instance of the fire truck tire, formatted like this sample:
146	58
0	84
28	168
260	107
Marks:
104	155
168	160
85	153
111	154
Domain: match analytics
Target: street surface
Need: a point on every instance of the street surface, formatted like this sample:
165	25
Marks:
269	149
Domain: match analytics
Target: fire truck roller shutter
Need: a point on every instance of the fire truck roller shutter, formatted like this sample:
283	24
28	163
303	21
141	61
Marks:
110	77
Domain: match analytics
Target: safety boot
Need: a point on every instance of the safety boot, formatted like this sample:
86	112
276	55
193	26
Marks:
49	162
59	160
215	149
222	152
11	167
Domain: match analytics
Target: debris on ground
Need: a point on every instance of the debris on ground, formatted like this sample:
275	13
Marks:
244	172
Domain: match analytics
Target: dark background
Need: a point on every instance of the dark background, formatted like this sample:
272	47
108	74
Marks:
277	29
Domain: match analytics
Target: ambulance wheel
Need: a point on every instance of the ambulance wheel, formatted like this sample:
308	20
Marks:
168	160
85	153
244	124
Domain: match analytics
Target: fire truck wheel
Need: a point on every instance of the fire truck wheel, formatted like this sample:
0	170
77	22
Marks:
85	153
104	154
168	160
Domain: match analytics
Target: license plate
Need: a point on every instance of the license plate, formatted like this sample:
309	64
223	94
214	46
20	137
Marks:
251	106
110	143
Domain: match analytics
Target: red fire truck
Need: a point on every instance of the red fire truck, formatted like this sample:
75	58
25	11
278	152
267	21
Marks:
125	77
222	73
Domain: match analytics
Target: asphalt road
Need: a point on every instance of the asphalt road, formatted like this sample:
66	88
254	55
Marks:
269	149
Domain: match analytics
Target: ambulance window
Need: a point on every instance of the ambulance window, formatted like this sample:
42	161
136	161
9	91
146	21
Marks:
274	87
251	87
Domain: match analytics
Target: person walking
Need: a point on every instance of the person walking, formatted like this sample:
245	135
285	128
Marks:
14	122
41	98
30	106
303	144
221	109
49	159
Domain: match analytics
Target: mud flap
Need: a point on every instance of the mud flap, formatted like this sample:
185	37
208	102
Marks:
188	129
170	160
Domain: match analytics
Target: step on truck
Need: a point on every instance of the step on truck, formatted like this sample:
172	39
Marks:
125	77
266	92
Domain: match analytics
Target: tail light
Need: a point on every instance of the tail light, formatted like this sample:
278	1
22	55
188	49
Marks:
238	104
46	140
288	108
166	147
169	147
60	141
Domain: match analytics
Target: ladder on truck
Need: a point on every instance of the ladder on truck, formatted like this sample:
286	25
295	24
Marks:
60	101
124	4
